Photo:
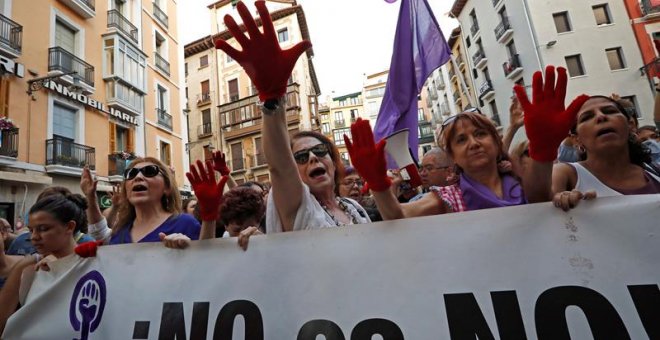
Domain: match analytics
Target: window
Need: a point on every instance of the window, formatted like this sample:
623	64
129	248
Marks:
324	116
123	61
602	14
615	58
283	35
203	61
4	96
574	65
420	115
630	104
495	114
165	153
229	59
561	22
233	90
185	68
325	128
121	138
206	116
237	156
339	135
205	90
65	36
161	98
64	121
511	48
160	45
354	115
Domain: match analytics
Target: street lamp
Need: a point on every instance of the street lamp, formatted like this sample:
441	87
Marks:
37	84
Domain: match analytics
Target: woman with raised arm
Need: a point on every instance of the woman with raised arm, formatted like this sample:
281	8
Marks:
472	141
305	170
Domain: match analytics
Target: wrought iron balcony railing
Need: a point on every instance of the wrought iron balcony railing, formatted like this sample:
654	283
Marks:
164	118
123	25
204	130
62	60
11	34
162	64
160	15
63	151
9	142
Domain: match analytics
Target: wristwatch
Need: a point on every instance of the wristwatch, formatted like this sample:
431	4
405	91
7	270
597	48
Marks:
270	105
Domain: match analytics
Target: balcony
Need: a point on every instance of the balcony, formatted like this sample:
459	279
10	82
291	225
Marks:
258	160
503	31
340	123
160	15
452	74
162	64
440	83
460	62
117	163
164	119
242	117
426	133
203	98
63	152
651	70
479	59
474	29
123	25
444	108
204	130
433	94
512	67
84	8
9	142
650	8
486	90
11	36
61	60
457	97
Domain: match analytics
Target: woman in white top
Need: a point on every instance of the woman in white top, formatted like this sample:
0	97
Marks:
615	162
304	170
54	221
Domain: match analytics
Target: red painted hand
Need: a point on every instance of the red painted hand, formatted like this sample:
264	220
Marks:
547	121
367	157
267	65
207	190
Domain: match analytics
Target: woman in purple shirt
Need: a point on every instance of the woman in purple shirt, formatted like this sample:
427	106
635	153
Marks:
149	208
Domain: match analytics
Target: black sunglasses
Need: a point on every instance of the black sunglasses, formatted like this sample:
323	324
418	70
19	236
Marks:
148	171
302	156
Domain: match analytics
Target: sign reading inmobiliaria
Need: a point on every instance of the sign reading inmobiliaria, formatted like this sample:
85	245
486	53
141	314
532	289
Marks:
88	101
526	272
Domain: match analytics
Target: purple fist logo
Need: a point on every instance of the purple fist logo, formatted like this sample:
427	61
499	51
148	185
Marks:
87	304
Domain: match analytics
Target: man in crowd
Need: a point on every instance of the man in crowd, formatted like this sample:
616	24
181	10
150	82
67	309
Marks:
437	169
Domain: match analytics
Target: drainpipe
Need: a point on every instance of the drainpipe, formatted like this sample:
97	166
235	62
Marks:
535	39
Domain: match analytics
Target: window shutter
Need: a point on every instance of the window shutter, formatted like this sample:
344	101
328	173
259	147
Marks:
129	140
113	137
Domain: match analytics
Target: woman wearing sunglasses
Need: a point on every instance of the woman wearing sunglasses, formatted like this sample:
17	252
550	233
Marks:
304	181
149	208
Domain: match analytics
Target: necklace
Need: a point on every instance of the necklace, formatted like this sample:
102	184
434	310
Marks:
344	207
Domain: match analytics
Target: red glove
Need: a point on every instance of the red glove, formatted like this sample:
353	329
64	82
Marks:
267	65
547	122
219	163
88	249
207	191
367	157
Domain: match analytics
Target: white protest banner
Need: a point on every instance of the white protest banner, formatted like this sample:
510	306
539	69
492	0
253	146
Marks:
527	272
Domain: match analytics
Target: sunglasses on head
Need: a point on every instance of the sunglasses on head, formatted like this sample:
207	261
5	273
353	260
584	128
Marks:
451	119
302	156
148	171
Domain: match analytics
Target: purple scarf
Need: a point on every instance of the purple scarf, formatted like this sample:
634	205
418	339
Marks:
478	196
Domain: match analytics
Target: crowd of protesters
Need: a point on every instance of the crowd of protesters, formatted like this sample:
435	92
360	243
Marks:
592	148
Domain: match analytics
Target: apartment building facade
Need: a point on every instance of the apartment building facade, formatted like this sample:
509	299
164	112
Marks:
645	20
508	40
222	102
85	83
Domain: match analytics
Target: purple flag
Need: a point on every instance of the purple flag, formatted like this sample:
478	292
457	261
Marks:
419	48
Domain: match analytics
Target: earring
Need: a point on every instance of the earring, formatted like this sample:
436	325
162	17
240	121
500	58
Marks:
581	149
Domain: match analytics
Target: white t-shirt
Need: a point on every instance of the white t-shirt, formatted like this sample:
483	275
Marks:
311	214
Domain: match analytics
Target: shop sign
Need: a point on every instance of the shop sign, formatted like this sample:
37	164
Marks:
88	101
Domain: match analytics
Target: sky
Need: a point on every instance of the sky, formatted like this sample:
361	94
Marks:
351	38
